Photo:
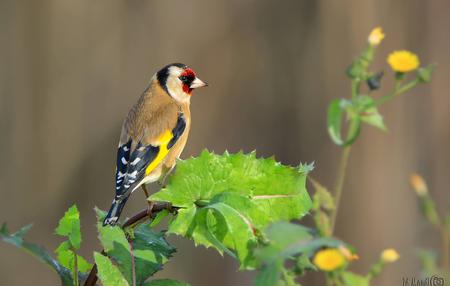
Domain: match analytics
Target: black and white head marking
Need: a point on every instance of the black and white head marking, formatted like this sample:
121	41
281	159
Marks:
169	79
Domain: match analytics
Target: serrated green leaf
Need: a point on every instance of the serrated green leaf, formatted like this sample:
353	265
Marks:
66	257
69	226
165	282
209	174
352	279
39	252
241	232
116	245
150	251
108	273
224	196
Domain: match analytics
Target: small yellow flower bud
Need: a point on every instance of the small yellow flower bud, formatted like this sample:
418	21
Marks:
329	259
376	36
403	61
389	255
418	184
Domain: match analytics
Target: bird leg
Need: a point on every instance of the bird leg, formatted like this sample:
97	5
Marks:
150	203
164	176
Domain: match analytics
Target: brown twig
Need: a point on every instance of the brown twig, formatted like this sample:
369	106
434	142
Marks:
139	217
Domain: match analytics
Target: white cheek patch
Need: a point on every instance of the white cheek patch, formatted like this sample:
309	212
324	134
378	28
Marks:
175	87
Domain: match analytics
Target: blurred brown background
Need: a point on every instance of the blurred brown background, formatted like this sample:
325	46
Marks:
70	70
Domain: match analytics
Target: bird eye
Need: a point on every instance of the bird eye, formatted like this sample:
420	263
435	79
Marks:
183	78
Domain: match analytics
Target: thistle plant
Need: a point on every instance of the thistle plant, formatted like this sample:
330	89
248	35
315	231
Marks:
246	207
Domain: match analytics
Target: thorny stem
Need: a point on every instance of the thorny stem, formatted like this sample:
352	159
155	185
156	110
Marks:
340	184
136	219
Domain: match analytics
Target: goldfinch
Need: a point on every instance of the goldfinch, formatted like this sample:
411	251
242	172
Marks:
154	133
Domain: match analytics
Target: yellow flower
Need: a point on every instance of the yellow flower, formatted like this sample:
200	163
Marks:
389	255
376	36
329	259
403	61
419	185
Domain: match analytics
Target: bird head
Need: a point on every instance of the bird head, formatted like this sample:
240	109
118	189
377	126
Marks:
178	80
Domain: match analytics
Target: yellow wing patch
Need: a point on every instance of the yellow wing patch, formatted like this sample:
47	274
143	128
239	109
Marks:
163	141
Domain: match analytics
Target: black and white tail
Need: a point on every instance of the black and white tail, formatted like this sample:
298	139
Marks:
116	209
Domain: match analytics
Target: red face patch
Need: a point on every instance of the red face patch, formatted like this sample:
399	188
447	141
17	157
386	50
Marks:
187	77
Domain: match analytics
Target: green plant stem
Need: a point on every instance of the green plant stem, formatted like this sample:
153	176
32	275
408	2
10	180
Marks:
397	90
75	267
340	184
445	238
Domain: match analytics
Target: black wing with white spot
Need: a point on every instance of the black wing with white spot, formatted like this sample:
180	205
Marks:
131	167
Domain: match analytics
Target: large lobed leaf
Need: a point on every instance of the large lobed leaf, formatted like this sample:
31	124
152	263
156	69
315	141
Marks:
226	200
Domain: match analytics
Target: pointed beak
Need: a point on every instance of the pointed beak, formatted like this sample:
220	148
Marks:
197	83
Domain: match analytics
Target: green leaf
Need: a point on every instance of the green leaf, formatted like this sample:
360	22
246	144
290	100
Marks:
352	279
165	282
150	251
69	226
429	210
39	252
322	197
116	245
304	263
240	230
226	200
159	217
108	273
369	112
334	122
424	74
66	257
270	274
